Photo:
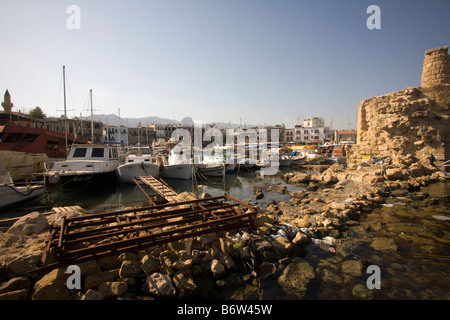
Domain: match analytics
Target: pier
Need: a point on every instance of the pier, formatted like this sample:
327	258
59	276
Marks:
159	186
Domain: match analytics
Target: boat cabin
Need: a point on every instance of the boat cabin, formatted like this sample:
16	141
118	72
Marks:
93	152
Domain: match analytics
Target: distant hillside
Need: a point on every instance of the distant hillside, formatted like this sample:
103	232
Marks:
133	122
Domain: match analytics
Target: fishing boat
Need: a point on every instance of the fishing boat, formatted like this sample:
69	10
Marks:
138	163
88	165
177	165
212	165
285	161
298	160
11	193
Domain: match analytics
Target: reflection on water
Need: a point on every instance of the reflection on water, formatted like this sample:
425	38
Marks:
240	186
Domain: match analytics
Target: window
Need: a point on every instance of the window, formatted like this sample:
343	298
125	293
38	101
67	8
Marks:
79	153
98	152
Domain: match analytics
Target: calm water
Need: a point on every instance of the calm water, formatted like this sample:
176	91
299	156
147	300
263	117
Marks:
122	195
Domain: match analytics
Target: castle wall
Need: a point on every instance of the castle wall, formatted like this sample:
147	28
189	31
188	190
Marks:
410	124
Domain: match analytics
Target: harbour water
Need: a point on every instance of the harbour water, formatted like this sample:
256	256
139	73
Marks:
406	237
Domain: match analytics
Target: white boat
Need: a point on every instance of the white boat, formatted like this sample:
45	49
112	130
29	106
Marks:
285	161
178	165
314	158
12	194
88	165
138	163
211	166
298	160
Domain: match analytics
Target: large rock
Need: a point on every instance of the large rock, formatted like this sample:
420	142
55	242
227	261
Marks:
93	281
185	285
15	289
394	174
112	289
381	243
296	278
52	286
159	284
30	224
218	269
283	245
130	268
149	264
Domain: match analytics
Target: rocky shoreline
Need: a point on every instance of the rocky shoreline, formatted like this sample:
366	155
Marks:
230	265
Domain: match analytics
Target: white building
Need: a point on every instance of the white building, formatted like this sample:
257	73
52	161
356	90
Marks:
314	122
312	131
112	133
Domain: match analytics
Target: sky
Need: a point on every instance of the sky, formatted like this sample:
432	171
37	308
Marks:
249	61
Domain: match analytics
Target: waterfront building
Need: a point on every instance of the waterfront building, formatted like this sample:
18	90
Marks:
142	136
312	131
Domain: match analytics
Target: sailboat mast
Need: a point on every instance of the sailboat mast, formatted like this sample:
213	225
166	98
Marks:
65	109
120	138
92	119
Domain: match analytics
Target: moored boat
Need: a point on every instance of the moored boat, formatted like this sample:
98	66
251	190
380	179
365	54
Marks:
177	166
88	165
11	194
138	163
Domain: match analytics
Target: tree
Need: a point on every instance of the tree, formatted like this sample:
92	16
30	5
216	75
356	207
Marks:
37	113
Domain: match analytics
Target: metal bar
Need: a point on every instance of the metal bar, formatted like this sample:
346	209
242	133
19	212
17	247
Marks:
49	244
206	216
164	216
62	233
158	206
131	248
143	191
138	240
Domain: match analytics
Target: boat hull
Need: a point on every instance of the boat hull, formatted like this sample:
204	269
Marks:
87	180
298	161
210	170
11	195
178	171
127	172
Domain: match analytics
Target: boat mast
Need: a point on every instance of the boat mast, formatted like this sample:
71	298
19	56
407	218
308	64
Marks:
120	138
65	109
92	120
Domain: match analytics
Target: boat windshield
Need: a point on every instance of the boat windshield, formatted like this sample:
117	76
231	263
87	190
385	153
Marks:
98	152
79	153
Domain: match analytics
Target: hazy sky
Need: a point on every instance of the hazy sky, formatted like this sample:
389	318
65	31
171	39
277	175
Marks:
262	61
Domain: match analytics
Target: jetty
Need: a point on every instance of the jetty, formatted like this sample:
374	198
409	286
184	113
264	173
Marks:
159	186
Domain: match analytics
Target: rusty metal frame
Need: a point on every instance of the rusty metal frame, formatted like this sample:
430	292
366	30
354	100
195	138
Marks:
94	236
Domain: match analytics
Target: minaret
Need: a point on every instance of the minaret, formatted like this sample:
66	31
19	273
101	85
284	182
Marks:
6	104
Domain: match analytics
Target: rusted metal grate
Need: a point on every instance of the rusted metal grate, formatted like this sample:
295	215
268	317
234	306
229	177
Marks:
99	235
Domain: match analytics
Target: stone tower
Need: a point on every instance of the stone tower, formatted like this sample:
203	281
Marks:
436	67
6	104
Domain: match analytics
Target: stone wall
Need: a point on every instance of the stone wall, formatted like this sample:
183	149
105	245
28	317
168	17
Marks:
410	124
436	67
407	125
